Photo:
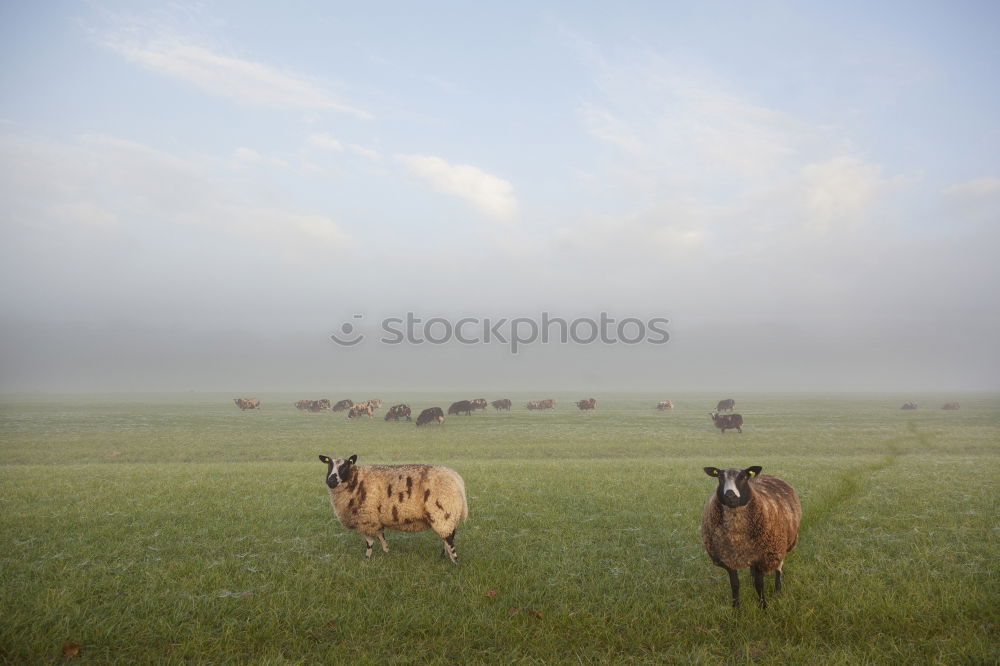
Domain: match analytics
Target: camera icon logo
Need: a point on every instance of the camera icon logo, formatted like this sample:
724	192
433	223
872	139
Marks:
348	330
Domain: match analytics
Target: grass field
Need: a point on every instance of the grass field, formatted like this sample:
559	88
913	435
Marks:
174	528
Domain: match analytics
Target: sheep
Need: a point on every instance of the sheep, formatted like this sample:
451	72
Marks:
410	498
461	406
751	520
727	421
430	414
360	409
397	412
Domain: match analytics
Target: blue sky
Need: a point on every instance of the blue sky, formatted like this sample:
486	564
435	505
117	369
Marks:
811	188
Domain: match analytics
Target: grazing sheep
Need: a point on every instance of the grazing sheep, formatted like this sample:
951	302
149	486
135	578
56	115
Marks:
397	412
341	405
951	405
665	404
247	403
587	404
751	520
410	498
478	403
909	405
461	406
313	405
430	414
360	409
503	403
726	422
728	404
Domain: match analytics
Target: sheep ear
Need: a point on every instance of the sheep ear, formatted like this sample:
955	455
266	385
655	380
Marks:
712	471
753	471
353	459
324	459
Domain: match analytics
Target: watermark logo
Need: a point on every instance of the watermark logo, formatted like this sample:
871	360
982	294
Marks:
513	332
349	334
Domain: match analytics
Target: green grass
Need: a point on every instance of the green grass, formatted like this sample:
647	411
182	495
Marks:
176	528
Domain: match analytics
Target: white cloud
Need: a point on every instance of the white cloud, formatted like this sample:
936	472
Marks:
976	202
839	192
367	153
492	195
251	156
980	187
245	81
311	231
325	142
102	181
604	125
678	131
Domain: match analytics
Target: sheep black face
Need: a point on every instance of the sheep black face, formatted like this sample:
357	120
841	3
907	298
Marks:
339	470
734	484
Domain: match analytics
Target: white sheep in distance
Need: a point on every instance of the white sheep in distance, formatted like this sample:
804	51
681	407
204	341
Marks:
751	520
410	498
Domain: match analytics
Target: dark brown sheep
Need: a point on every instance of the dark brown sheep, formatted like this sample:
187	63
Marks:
726	422
430	414
750	520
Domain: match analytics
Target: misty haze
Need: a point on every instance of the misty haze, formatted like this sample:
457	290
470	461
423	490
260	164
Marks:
195	206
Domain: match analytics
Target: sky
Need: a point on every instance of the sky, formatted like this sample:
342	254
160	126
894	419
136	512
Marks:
196	196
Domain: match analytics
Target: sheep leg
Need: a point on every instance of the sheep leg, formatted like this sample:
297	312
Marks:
758	584
777	581
381	539
368	547
449	547
734	584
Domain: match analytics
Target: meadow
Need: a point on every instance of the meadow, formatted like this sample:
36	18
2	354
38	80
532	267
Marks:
175	528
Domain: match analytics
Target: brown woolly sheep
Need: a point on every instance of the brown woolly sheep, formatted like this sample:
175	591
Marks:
751	520
410	498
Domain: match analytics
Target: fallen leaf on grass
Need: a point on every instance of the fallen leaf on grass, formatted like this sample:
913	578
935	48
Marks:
331	625
70	650
533	612
492	593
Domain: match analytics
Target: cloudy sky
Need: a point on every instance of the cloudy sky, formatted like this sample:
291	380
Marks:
196	196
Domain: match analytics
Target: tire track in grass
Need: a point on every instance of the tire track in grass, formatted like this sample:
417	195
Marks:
850	481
